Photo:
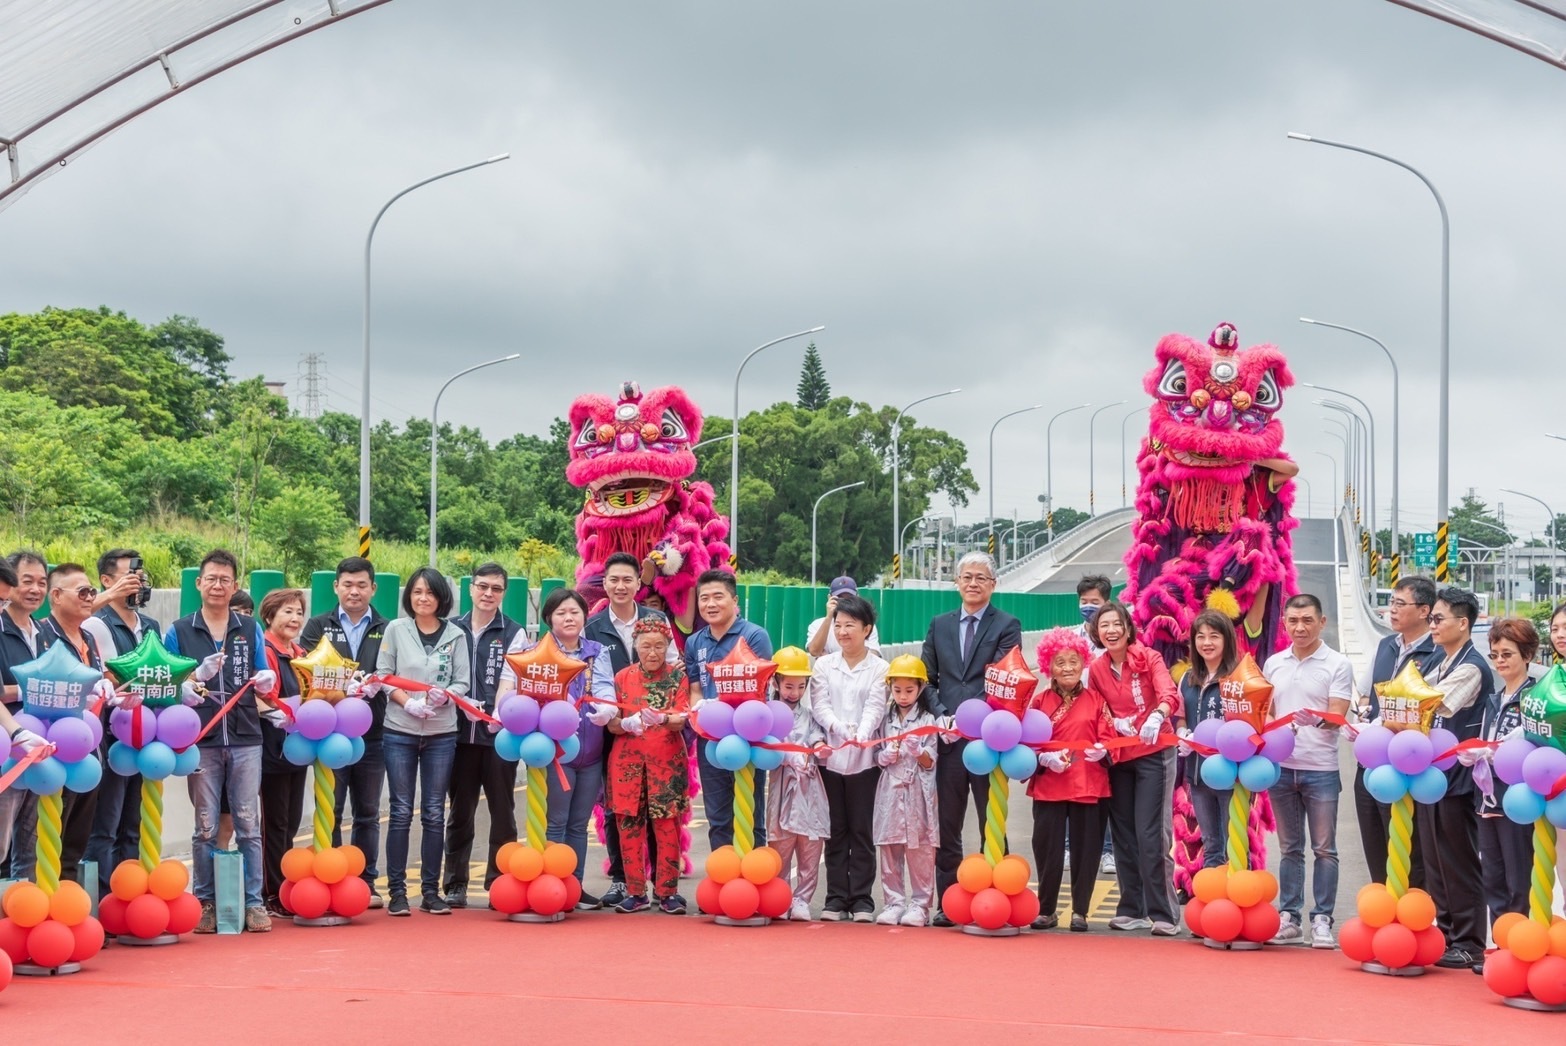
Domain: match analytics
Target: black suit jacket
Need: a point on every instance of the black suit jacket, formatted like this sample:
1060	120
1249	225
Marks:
956	678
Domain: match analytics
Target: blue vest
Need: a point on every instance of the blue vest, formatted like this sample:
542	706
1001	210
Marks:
1388	664
242	659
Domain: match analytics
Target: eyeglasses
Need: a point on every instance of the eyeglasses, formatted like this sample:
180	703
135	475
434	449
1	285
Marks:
86	592
218	581
1401	603
489	588
1502	655
975	579
1436	619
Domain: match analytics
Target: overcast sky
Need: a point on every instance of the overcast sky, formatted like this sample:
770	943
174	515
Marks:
1017	198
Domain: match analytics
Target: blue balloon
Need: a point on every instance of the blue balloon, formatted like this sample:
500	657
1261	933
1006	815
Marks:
508	746
334	751
299	749
122	759
84	774
1386	783
1522	804
358	749
733	753
570	748
1555	811
1428	786
45	777
710	750
979	758
155	760
187	762
765	758
537	749
1219	773
1258	773
1019	762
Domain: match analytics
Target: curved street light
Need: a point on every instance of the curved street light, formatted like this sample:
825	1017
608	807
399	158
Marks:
897	428
435	434
1128	417
1003	417
1093	418
1049	468
813	510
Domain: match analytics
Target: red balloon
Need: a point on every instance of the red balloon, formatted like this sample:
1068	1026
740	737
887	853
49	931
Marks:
50	944
1429	945
1260	923
1222	920
111	913
957	903
147	916
5	970
1505	974
89	939
13	941
283	895
1394	945
547	895
310	898
1355	939
1193	915
1547	980
350	896
707	896
508	895
990	908
1024	908
775	897
739	898
184	913
573	887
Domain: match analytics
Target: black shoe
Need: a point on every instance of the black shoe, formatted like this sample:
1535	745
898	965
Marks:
941	919
398	906
1046	922
588	902
457	898
1456	959
613	896
1079	924
435	904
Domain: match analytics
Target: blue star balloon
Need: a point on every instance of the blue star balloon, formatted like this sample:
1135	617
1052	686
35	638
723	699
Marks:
55	684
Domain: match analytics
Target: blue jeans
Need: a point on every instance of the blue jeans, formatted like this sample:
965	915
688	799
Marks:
1301	799
18	834
425	762
1212	817
116	825
238	770
365	779
717	801
569	811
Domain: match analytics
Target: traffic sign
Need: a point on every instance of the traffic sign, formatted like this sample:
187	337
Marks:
1424	551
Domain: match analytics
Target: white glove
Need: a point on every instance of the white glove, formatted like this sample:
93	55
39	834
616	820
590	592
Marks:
1362	713
103	690
363	686
1151	726
1054	761
418	708
435	697
472	716
653	717
601	714
1183	748
494	728
276	718
945	722
1516	731
1125	727
1095	753
26	740
265	682
1470	756
633	726
127	700
209	667
191	694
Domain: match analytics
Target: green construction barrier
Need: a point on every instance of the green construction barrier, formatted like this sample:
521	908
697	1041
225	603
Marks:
189	598
323	597
794	620
546	586
777	599
388	595
263	582
465	595
756	597
514	603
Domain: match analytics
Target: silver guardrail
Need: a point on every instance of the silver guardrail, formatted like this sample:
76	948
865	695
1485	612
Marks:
1356	568
1071	542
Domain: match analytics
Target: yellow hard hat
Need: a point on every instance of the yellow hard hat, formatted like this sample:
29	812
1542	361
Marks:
906	666
792	661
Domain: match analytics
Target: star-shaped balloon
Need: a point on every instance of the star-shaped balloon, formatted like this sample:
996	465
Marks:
1407	701
742	676
151	672
1009	683
1246	694
323	672
55	684
545	672
1544	709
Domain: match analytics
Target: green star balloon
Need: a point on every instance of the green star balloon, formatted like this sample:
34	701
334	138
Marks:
151	671
1544	710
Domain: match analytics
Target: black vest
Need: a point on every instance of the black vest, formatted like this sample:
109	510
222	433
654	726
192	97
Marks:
1466	723
1502	715
272	758
124	639
369	653
242	726
487	655
14	651
1388	664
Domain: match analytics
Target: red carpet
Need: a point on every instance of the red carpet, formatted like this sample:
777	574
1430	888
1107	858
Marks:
655	979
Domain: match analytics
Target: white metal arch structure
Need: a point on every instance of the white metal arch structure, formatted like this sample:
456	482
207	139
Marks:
1534	27
72	71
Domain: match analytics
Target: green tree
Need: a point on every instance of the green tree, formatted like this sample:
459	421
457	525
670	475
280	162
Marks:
814	392
302	527
1475	524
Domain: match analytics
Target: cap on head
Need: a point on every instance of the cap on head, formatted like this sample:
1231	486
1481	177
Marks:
792	661
907	666
840	585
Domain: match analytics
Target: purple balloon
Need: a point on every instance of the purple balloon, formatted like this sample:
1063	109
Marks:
293	706
122	724
518	713
1001	731
95	725
782	718
970	717
1543	768
558	720
716	719
1410	752
71	739
354	717
1234	741
1206	732
1370	747
1277	745
1036	727
178	726
1509	758
753	721
315	719
1442	740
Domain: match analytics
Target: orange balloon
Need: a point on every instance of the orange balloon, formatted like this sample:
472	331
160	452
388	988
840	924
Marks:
1269	887
168	880
526	864
129	881
1378	908
356	863
331	866
27	905
1247	888
1416	910
503	857
70	905
1558	940
1503	926
723	865
976	876
297	863
773	856
1212	884
1011	875
756	866
1529	941
559	860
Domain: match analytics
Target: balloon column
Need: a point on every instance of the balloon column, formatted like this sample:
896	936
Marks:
155	736
537	881
742	730
1404	760
325	727
1002	742
1232	907
1528	967
42	922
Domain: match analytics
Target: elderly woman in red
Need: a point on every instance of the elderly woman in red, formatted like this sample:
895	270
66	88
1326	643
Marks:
1133	681
1071	786
649	774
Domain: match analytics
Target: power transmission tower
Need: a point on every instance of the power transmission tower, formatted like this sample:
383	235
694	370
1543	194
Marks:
310	385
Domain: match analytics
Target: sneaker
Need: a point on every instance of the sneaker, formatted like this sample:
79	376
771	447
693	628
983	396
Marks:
1456	959
1163	929
398	906
614	895
799	911
673	904
1321	932
1289	931
434	904
275	909
257	921
632	903
828	915
457	898
376	900
588	903
941	919
913	915
863	917
1130	922
1106	864
208	920
889	915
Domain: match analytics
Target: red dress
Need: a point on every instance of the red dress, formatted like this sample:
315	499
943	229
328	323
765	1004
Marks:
1080	717
649	777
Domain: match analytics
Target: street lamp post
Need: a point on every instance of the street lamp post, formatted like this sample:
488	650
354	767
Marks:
1397	547
1555	538
813	510
1335	527
734	451
1092	511
998	420
897	424
364	381
1506	569
1049	468
435	434
1123	421
903	537
1443	430
1346	436
1372	488
1310	498
1351	462
715	439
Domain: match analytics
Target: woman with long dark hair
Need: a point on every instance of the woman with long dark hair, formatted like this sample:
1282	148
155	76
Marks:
1215	651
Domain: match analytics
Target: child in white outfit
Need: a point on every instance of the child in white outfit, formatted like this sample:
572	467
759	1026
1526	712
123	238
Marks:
798	820
906	830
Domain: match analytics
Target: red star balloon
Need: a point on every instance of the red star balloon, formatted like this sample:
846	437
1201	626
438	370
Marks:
742	676
545	672
1246	694
1009	683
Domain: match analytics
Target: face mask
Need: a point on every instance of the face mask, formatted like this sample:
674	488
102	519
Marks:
1087	610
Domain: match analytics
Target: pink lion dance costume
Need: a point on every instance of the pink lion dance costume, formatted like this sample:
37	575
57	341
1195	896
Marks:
634	459
1213	517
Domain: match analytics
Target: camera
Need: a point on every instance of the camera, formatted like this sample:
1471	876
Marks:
143	595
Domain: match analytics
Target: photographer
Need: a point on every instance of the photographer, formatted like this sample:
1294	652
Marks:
819	638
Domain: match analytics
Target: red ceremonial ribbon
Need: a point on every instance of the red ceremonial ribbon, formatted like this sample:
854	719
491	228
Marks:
472	711
225	710
38	754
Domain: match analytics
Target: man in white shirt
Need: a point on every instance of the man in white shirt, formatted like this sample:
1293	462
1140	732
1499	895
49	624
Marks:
1307	678
819	639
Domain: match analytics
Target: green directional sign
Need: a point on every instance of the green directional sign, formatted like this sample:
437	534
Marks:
1425	551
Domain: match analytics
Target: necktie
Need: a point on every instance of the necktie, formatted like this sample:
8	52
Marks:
972	623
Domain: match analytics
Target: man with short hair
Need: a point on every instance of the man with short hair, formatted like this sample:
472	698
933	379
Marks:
355	630
1308	678
476	764
819	637
717	603
11	800
21	640
230	649
957	649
